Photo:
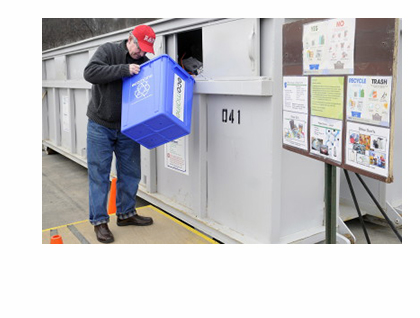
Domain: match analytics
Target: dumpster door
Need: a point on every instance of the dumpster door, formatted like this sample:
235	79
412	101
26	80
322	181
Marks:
159	47
232	49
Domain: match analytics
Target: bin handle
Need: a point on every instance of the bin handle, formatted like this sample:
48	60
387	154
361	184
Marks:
182	75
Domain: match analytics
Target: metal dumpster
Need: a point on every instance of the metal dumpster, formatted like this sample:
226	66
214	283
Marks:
230	177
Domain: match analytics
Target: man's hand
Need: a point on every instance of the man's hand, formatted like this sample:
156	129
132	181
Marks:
134	69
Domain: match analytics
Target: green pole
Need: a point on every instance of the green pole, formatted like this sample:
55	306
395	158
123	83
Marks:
330	204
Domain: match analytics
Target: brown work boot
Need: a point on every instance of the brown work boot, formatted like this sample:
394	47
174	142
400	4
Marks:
103	234
135	220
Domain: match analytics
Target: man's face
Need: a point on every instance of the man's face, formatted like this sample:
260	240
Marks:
133	49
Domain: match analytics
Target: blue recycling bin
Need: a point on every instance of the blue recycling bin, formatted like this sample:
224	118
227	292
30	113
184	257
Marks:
157	103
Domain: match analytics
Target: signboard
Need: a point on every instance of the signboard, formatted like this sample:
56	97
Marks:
369	99
367	148
326	137
328	47
339	92
295	115
327	96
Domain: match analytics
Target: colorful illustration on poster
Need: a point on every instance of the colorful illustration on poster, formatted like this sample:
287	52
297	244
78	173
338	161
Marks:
295	130
326	138
368	99
367	148
328	47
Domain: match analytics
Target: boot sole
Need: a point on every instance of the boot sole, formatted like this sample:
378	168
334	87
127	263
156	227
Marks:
105	241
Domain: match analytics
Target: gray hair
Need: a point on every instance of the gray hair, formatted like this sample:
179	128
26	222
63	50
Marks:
134	38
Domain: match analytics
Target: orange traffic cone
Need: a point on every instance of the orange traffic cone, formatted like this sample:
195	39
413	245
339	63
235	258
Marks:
56	239
112	202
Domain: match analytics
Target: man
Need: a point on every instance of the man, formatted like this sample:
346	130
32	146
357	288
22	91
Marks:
110	63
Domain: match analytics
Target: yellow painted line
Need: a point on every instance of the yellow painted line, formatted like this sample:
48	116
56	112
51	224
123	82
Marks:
189	228
61	226
78	222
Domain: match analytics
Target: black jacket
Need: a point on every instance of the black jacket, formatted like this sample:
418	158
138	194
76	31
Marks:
105	71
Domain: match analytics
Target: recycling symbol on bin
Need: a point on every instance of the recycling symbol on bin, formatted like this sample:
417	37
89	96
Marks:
143	88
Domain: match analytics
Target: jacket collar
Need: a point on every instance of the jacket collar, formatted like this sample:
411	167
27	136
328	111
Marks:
123	45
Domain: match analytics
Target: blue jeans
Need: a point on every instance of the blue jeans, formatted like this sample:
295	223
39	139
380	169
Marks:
101	143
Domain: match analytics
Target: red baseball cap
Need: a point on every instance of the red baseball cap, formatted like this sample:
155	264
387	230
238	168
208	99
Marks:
146	37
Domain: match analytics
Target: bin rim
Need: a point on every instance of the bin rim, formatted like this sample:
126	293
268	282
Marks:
170	59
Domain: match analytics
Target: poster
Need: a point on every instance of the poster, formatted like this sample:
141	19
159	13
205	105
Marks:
369	99
65	102
327	97
367	148
295	94
328	47
176	155
295	127
326	138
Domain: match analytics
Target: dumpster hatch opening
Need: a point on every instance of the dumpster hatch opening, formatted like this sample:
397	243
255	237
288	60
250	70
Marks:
190	51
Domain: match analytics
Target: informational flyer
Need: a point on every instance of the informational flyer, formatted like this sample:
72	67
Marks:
328	47
65	102
368	148
295	94
326	137
369	99
295	126
327	96
176	155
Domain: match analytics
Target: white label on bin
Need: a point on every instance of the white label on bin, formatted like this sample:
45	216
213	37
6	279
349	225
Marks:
178	101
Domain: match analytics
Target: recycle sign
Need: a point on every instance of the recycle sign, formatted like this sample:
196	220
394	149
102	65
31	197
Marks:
142	89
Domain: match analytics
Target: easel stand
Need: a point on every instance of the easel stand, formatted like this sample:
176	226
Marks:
330	204
390	223
356	204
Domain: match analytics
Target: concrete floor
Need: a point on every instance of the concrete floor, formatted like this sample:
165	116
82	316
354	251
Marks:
65	191
378	234
65	200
